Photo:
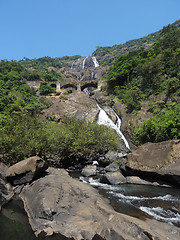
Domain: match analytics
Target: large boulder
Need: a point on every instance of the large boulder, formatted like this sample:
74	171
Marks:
113	167
6	192
59	204
89	170
157	160
26	171
113	178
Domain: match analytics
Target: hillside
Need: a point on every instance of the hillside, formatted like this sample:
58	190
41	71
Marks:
150	77
109	55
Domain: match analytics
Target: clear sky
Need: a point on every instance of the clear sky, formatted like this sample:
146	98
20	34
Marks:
56	28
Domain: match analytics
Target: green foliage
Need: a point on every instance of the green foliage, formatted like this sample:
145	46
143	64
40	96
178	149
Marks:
165	125
46	89
147	71
15	94
23	135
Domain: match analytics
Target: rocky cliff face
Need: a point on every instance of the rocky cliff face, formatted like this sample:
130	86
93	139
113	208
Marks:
83	69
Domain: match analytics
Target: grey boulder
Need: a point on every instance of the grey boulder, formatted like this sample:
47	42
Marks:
89	170
113	178
26	171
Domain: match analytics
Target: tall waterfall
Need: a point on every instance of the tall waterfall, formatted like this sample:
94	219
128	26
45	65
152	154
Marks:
104	119
96	64
83	64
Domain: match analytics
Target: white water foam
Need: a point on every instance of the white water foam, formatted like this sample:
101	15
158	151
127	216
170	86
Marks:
135	198
162	214
97	183
139	202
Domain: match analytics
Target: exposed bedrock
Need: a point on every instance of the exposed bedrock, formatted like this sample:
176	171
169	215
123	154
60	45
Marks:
59	204
155	160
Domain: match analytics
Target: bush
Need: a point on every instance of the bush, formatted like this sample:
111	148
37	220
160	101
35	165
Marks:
163	126
46	89
23	135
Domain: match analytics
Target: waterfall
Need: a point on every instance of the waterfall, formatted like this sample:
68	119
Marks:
83	64
96	64
73	64
104	119
92	75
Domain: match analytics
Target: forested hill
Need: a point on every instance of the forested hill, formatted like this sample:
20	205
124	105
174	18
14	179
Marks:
109	55
151	72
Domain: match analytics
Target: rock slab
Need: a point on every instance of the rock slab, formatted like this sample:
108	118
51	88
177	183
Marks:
58	204
26	171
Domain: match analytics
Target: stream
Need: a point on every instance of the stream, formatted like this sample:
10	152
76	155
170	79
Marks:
140	201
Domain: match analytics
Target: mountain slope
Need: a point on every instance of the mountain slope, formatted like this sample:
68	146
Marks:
109	55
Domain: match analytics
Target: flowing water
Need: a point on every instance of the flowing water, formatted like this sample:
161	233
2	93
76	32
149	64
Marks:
104	119
142	201
135	200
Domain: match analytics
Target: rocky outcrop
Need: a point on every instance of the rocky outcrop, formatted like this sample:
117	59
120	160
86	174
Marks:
77	105
26	171
89	170
157	160
58	204
6	192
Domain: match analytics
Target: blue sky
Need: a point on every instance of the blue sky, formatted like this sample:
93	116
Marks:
55	28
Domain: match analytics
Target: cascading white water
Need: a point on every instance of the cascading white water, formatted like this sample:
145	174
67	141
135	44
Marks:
83	63
96	64
73	64
159	204
104	119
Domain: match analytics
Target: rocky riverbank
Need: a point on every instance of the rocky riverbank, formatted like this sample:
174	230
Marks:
58	204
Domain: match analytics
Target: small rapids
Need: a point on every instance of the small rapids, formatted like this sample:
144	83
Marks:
141	201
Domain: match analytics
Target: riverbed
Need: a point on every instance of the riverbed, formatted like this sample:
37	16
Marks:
140	201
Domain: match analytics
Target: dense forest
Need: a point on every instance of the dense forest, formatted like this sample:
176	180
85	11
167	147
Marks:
24	133
154	71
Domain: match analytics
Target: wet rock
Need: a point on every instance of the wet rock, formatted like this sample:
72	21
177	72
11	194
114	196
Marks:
89	170
58	204
6	192
113	178
26	171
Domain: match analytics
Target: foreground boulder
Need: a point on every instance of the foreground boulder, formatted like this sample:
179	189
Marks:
6	192
26	170
156	160
58	204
